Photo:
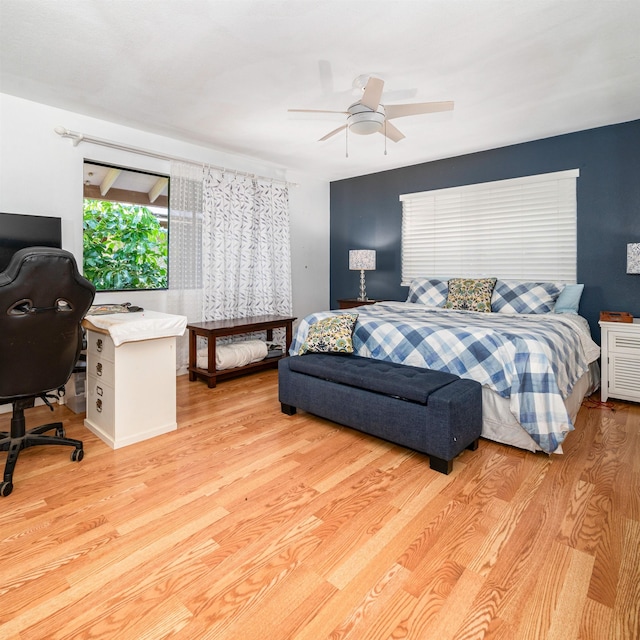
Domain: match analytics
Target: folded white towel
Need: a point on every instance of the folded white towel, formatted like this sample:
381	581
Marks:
235	354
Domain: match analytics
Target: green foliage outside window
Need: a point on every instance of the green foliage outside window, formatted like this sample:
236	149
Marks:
124	247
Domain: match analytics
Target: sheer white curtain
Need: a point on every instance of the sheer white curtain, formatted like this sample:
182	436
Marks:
185	232
229	247
185	250
247	265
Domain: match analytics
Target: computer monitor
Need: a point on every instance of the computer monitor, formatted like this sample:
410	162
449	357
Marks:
18	231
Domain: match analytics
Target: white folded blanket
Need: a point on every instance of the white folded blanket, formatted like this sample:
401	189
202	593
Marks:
145	325
235	354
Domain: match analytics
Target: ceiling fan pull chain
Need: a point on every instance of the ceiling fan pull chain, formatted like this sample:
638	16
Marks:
346	143
385	136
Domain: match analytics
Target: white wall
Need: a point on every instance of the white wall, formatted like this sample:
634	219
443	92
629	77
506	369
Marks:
41	173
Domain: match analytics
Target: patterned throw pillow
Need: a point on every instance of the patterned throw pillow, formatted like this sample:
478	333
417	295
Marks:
515	296
331	335
429	291
470	294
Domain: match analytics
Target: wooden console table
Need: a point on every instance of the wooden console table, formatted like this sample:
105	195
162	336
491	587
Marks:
221	328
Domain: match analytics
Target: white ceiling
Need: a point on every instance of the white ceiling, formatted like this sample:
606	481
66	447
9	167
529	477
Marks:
222	73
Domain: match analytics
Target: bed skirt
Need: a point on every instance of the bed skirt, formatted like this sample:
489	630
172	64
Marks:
500	425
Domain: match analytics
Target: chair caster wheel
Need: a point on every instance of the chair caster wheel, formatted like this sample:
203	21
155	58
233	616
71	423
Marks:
6	488
77	455
60	432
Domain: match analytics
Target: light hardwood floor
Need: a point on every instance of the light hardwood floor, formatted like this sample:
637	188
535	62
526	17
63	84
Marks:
246	523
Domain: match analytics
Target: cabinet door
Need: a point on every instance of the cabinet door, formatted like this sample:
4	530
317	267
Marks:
624	375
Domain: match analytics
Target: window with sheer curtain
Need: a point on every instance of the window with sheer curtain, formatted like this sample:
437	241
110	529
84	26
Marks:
522	228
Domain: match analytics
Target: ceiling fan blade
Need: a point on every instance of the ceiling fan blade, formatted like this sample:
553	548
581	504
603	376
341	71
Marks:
400	110
346	113
372	93
333	133
392	132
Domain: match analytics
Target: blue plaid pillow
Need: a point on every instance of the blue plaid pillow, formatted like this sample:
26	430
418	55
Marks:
514	296
432	292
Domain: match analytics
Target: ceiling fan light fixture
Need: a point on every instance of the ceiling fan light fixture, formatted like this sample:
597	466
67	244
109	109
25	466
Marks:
367	115
364	121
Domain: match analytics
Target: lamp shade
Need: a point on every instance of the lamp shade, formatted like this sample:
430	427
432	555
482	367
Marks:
362	259
633	257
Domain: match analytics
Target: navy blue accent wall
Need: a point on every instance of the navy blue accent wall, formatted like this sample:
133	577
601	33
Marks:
366	212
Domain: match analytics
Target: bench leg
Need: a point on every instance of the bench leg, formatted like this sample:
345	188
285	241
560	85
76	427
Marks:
288	409
440	465
446	466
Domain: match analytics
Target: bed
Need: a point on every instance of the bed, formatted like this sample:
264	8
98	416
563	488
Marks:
535	363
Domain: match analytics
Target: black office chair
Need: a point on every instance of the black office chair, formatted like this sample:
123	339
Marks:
43	299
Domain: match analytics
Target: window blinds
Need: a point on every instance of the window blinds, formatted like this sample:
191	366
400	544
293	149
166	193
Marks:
522	228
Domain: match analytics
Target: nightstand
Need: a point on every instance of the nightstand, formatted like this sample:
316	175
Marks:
349	303
620	360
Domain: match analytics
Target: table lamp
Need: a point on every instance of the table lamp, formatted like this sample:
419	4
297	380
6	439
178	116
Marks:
362	260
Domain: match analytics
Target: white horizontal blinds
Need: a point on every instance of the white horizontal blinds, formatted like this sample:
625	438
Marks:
523	228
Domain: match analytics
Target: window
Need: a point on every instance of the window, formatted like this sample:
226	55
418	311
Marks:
125	228
523	228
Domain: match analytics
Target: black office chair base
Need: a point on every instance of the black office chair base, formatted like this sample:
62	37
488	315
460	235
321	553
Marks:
20	439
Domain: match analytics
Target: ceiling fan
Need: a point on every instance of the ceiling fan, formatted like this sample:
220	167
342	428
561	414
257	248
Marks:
367	115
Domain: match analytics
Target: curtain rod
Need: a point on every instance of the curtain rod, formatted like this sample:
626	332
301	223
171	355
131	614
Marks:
77	138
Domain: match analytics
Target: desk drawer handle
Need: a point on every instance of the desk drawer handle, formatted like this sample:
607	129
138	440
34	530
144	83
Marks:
99	390
99	405
99	345
98	368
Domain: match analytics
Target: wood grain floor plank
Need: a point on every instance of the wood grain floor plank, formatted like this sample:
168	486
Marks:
515	571
393	620
270	620
415	615
446	622
603	584
595	622
626	611
392	539
505	526
374	602
534	614
239	594
565	622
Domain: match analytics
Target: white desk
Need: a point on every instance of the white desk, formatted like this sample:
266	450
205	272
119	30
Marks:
131	375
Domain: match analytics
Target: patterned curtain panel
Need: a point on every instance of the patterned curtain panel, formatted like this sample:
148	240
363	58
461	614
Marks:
247	258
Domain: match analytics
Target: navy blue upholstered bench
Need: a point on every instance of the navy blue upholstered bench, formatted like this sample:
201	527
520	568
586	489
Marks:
433	412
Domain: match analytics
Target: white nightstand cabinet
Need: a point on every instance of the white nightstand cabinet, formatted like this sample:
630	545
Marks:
620	360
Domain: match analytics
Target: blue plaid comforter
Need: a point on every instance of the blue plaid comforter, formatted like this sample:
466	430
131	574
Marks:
534	360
